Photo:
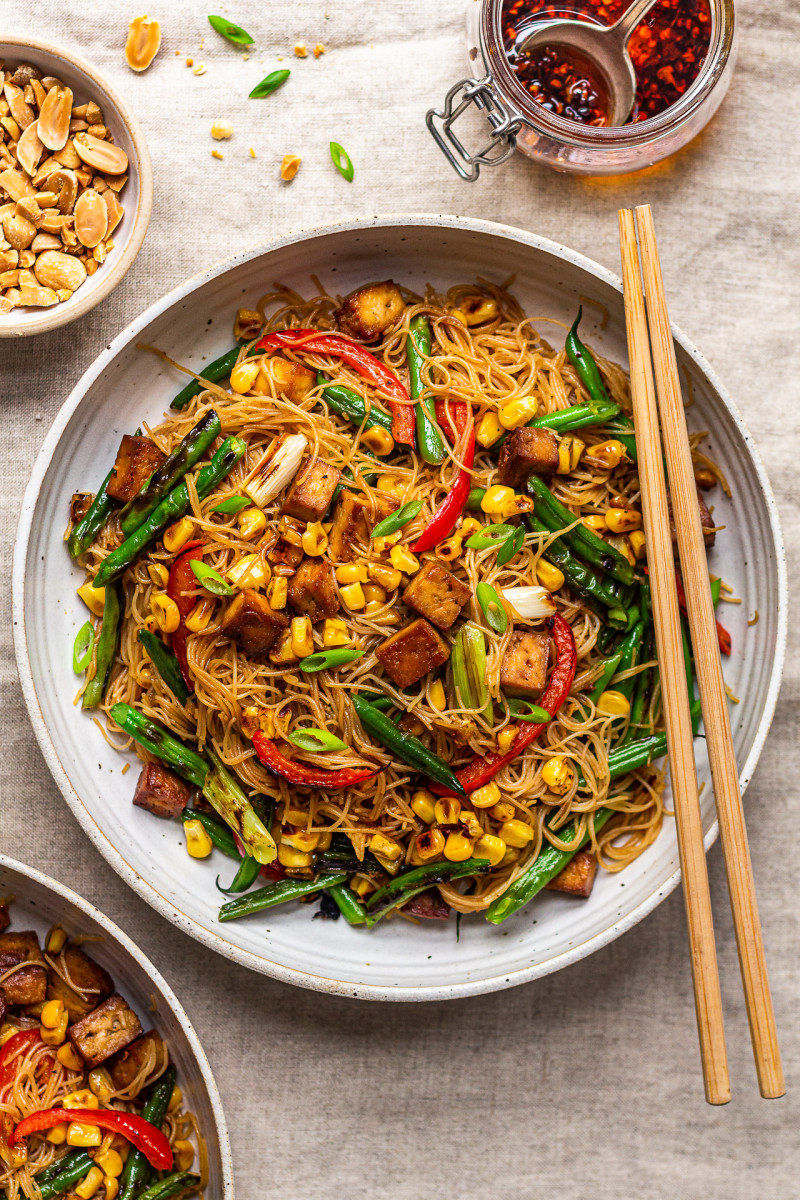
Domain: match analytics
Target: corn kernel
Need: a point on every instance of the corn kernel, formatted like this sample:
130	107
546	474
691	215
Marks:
177	535
159	575
509	857
67	1055
478	309
390	485
613	704
378	440
111	1186
450	549
638	543
447	811
289	857
334	632
100	1083
429	844
151	625
423	805
576	449
352	573
90	1183
175	1100
109	1162
243	376
51	1014
353	596
372	592
7	1032
282	652
300	840
622	544
381	544
558	774
56	1034
488	430
516	833
200	615
503	811
362	886
58	1134
385	848
249	573
302	637
373	607
385	577
84	1135
468	526
198	843
549	576
486	796
606	455
184	1155
564	457
166	612
499	501
315	540
491	847
473	825
506	738
459	315
596	522
251	522
623	520
518	412
403	560
93	598
436	696
457	848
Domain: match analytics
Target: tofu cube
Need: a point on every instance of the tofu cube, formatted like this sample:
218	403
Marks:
310	495
291	379
312	589
161	792
252	624
147	1052
577	878
104	1031
523	671
368	312
354	520
527	452
136	460
436	593
93	982
29	984
411	652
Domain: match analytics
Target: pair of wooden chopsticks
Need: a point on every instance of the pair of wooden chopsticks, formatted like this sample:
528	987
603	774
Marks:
648	329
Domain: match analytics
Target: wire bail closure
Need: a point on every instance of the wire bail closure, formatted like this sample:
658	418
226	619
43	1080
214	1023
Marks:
505	122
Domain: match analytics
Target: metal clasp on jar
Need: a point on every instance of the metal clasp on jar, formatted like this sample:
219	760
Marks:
506	124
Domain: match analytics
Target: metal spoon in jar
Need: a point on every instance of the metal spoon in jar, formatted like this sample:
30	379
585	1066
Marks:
605	46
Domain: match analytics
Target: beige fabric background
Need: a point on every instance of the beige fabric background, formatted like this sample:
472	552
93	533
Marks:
586	1083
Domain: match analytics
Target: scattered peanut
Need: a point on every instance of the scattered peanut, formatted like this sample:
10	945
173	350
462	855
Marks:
290	165
221	130
319	49
300	50
144	39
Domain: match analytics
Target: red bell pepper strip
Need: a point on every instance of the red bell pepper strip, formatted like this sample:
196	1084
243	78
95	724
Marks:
182	580
452	418
367	365
305	776
483	769
443	521
152	1143
723	637
16	1046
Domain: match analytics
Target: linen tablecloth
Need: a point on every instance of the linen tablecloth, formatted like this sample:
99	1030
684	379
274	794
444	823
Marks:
587	1082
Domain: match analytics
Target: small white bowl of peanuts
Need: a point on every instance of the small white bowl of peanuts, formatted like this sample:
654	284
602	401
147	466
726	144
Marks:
76	188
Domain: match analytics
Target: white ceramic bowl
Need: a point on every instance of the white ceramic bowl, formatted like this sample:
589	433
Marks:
40	902
126	386
136	197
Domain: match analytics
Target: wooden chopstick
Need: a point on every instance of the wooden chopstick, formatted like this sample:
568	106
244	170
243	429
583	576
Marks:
675	691
694	571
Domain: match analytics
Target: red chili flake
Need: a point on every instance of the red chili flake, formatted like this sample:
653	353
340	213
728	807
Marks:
668	49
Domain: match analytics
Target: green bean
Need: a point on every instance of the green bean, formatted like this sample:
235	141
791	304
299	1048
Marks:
276	893
348	403
630	657
622	429
340	856
590	587
405	746
171	508
474	498
189	451
170	1185
585	366
96	516
579	416
552	513
418	348
137	1172
220	368
217	830
166	663
348	904
410	883
60	1177
163	745
106	648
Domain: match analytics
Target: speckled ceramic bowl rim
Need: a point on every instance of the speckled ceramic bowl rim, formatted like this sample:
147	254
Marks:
218	942
65	313
165	992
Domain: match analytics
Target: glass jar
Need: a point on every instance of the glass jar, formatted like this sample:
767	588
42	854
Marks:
517	122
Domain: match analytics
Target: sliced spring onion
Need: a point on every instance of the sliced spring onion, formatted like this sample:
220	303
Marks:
342	161
468	662
329	658
398	519
491	536
232	32
525	710
210	579
233	504
316	741
511	546
83	647
534	603
277	468
269	84
492	608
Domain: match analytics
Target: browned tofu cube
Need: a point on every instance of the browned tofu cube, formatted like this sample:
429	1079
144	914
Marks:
523	671
136	460
84	984
252	624
104	1031
577	878
284	553
411	652
367	313
147	1053
161	792
310	495
291	379
313	591
527	452
354	520
435	593
28	985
